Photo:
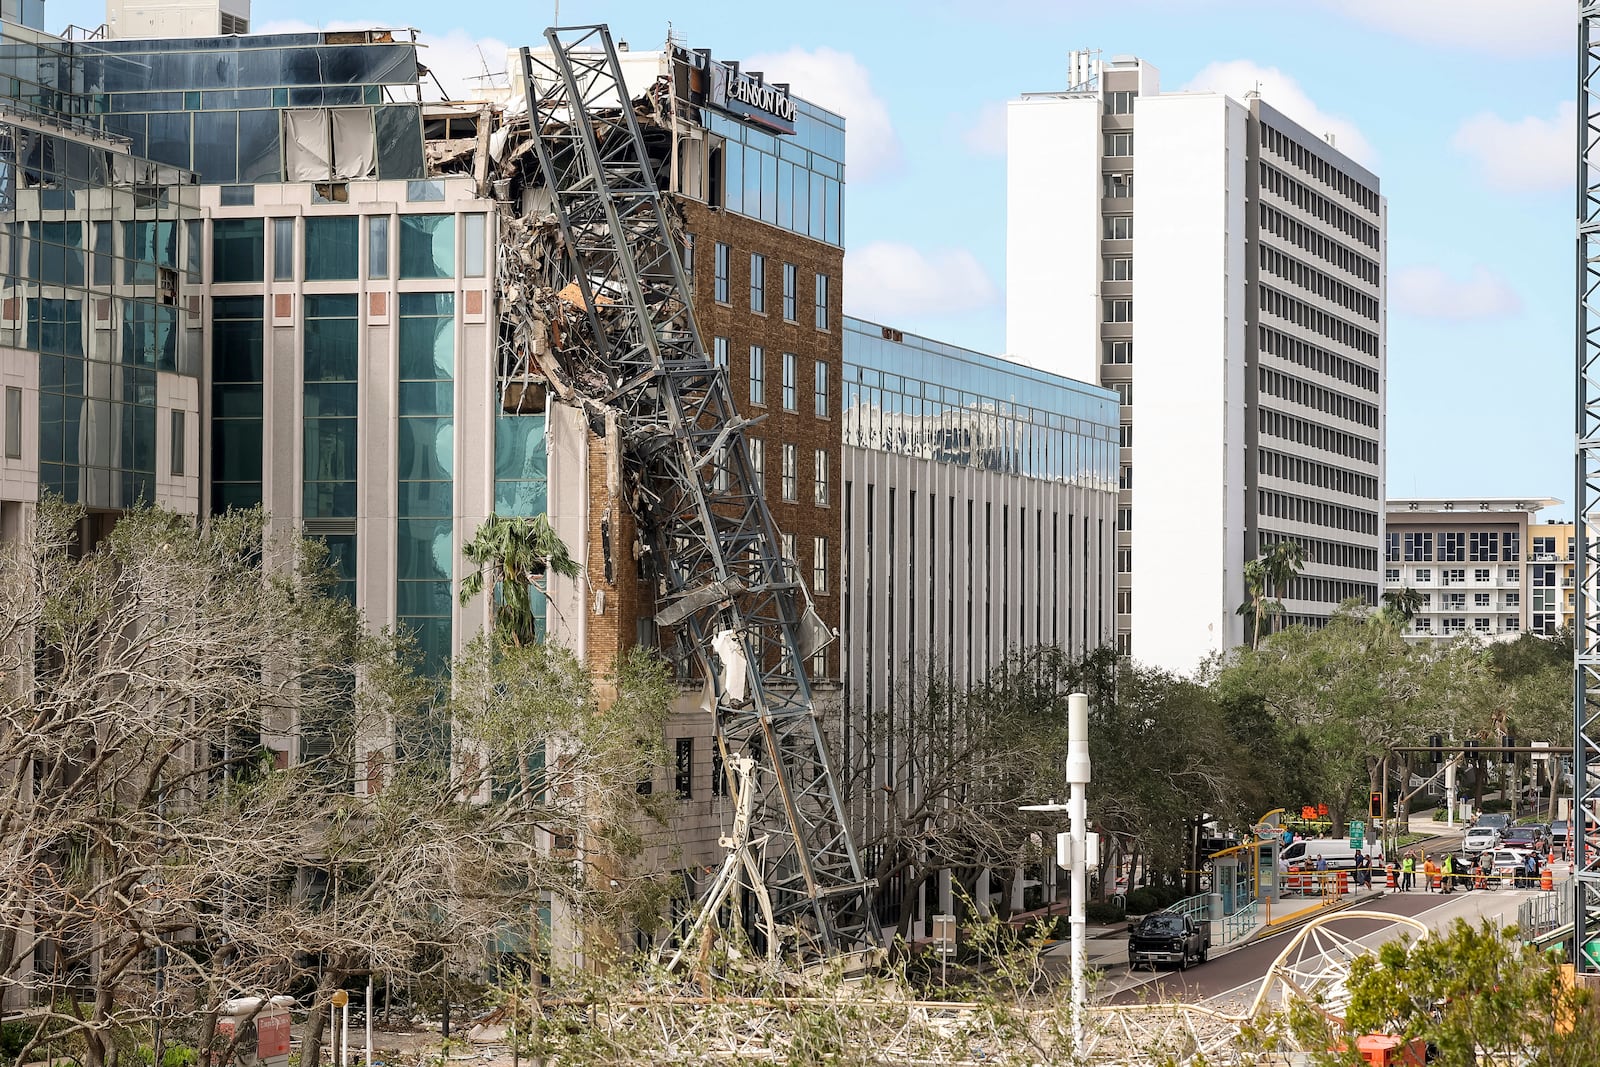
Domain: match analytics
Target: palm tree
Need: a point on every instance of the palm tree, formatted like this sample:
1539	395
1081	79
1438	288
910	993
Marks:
1400	606
515	552
1266	580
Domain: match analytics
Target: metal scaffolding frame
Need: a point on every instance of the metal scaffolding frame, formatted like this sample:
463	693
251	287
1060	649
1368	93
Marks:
1586	607
709	540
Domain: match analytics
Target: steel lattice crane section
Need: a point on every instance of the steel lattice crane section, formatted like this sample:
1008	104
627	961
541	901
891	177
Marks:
709	537
1586	608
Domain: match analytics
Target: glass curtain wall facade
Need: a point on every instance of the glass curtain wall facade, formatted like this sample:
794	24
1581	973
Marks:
96	247
793	181
918	397
427	472
281	107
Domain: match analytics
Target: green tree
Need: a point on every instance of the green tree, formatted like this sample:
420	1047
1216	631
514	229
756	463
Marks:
1341	690
513	553
1475	994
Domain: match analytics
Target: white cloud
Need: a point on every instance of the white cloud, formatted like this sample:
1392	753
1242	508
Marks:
1521	154
1500	26
1430	293
837	81
461	61
455	57
890	282
1240	76
986	135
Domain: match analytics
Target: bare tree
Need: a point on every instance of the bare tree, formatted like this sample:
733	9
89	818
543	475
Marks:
184	715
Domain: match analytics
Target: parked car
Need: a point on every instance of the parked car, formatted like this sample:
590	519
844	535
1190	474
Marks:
1559	834
1480	839
1525	837
1168	937
1495	821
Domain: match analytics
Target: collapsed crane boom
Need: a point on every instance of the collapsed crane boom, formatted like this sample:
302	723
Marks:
710	542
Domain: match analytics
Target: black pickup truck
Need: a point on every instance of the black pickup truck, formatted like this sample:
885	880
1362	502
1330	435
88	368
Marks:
1167	937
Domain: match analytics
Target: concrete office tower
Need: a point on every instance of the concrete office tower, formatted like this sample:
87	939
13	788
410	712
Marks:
1227	280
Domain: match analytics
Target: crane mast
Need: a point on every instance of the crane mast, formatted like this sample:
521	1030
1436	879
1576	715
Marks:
709	541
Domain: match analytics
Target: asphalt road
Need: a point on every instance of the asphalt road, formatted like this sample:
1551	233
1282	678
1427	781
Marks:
1238	972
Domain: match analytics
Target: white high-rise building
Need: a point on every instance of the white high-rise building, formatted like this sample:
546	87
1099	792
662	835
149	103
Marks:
1227	280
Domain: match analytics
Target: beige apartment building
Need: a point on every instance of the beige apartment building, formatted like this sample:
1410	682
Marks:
1475	565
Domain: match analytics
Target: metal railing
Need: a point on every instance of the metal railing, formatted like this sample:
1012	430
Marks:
1544	913
1240	924
1195	907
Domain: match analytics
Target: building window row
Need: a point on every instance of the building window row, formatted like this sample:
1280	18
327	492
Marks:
1119	310
1311	357
1117	186
1120	102
1322	475
1314	203
722	283
1308	277
1316	512
1119	143
1118	269
1118	228
1291	151
1483	546
1318	321
330	248
1319	244
1304	432
1329	401
1325	553
789	470
1332	590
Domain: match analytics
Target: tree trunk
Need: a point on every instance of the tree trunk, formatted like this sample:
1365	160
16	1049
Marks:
311	1039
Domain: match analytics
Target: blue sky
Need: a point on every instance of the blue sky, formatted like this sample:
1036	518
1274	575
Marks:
1462	107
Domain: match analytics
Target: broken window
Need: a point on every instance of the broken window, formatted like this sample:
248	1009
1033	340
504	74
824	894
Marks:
683	771
329	144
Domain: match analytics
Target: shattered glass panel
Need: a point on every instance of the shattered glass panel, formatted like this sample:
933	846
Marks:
399	141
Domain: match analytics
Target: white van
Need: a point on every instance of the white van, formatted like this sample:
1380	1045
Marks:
1337	850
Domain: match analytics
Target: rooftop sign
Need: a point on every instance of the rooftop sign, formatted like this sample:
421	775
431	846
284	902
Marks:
744	96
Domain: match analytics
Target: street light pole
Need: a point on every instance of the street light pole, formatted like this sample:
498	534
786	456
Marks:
1074	853
1078	829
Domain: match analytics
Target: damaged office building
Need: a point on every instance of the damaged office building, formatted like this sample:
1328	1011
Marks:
350	306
